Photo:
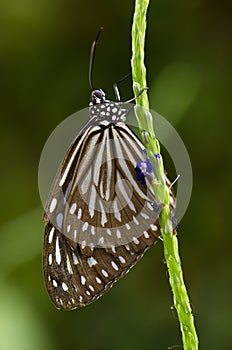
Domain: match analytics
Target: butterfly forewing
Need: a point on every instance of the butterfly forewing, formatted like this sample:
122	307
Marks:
99	218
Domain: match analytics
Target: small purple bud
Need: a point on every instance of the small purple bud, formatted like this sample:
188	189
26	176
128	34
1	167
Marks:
149	166
143	168
158	156
140	176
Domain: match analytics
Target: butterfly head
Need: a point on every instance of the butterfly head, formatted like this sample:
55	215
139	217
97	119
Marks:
98	96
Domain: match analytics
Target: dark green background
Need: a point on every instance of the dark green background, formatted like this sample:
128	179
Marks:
44	78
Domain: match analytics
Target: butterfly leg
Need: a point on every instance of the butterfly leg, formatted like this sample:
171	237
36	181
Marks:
134	98
116	89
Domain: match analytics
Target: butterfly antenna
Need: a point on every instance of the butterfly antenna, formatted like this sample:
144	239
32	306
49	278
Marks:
92	56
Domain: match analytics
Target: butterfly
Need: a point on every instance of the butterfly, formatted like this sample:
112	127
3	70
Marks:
101	214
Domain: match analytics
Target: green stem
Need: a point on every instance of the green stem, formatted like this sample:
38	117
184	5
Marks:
161	190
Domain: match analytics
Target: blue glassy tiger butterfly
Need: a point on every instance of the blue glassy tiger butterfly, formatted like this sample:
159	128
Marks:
101	214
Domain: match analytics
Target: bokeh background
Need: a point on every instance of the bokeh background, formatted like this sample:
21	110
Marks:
44	58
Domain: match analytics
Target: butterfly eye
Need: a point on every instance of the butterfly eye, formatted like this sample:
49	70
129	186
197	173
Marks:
98	96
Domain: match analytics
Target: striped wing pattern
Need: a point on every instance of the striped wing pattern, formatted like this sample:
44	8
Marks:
99	218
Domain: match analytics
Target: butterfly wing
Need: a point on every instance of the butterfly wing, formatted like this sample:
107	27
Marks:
99	218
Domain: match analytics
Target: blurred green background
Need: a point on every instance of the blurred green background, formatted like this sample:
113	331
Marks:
44	57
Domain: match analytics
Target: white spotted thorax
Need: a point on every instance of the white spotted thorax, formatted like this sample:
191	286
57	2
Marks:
99	218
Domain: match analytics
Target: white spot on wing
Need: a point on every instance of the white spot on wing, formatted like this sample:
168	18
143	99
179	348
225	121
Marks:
75	260
91	261
118	233
135	240
98	280
59	220
104	272
53	205
50	259
154	227
150	206
64	286
101	241
54	283
85	226
58	256
69	267
145	216
51	233
79	213
73	208
83	280
121	259
113	248
146	235
135	220
115	266
75	235
83	244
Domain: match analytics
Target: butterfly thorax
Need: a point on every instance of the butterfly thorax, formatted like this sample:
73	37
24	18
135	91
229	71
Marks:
105	110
